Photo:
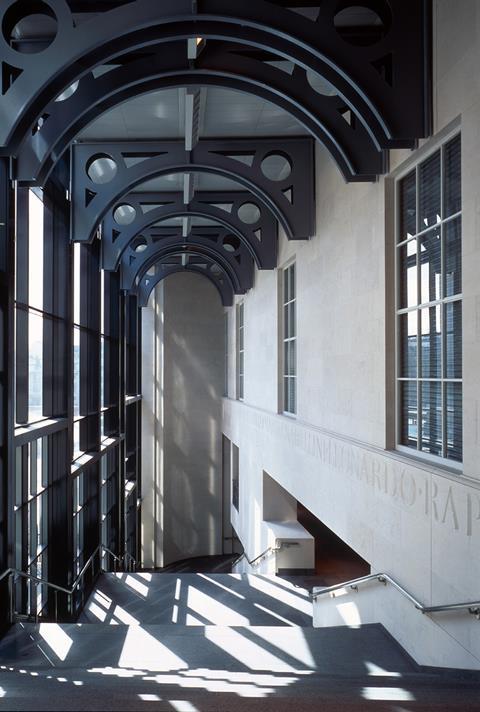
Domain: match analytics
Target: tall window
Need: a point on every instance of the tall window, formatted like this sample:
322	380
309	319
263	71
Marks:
289	340
225	342
429	305
240	350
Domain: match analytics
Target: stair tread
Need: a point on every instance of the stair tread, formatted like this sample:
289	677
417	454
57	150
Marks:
284	650
197	599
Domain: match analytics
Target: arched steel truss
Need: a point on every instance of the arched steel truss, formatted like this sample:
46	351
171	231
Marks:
166	267
291	200
220	64
376	82
214	242
259	237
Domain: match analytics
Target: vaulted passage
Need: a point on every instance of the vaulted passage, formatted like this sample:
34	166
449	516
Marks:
239	351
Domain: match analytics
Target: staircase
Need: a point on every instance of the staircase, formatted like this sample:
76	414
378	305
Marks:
195	642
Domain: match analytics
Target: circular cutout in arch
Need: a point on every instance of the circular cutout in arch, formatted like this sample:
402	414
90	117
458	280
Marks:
363	25
319	84
139	245
231	243
249	213
101	169
276	167
68	92
26	22
124	214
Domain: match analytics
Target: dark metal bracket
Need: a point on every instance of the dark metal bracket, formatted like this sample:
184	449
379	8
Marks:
291	199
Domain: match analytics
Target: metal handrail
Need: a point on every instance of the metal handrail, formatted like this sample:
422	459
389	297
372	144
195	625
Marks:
12	573
472	607
264	554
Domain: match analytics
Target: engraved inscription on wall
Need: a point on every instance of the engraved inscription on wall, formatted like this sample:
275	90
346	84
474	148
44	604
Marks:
452	505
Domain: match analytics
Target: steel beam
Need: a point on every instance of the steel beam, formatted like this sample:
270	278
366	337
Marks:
291	199
215	242
376	82
257	232
165	269
349	143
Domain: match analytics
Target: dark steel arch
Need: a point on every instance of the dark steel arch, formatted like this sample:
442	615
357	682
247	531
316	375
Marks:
208	240
360	75
291	200
350	145
262	247
162	252
148	283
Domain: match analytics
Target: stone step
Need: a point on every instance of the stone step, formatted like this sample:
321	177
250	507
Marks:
197	599
261	649
210	668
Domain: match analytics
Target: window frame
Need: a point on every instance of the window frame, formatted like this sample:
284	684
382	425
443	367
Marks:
240	350
437	144
292	263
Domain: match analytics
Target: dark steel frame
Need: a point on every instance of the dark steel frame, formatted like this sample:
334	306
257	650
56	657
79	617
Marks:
291	200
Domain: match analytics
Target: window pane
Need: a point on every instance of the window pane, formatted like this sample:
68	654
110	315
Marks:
35	250
18	477
431	348
35	366
453	336
289	394
292	320
408	345
454	421
430	266
409	414
408	207
453	257
431	418
292	348
76	371
408	274
453	177
292	282
76	283
429	192
286	285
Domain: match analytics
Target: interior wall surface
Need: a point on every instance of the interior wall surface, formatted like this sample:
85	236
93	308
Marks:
417	520
183	427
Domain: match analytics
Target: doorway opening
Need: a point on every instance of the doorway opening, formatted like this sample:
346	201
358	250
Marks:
335	561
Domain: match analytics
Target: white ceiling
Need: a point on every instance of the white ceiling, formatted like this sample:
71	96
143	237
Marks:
161	115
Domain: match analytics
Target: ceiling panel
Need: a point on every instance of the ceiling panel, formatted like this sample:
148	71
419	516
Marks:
161	115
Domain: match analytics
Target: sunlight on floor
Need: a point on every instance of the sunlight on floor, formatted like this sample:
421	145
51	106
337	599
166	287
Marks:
141	649
393	694
56	639
220	585
212	610
138	587
280	593
250	654
298	647
377	671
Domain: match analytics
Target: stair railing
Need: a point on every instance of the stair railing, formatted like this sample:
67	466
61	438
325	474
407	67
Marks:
265	554
472	607
127	562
